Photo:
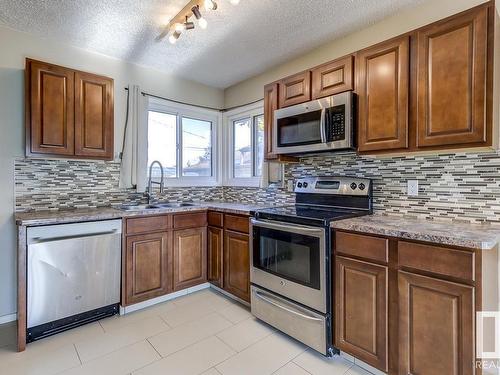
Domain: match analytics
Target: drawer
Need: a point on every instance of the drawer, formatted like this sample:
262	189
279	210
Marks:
148	224
367	247
215	219
436	259
190	220
237	223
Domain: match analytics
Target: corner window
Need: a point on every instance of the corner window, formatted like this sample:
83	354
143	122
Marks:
182	140
245	132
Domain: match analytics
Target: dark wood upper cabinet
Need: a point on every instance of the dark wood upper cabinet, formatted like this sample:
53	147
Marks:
93	116
237	264
452	80
50	101
68	113
148	265
214	265
436	326
361	310
383	95
333	77
295	89
190	257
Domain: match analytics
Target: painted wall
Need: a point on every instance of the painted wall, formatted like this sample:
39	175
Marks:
14	48
252	89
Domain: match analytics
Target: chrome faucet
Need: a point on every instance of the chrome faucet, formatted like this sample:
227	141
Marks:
151	182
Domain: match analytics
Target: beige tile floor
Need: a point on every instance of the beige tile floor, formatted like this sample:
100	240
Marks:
201	333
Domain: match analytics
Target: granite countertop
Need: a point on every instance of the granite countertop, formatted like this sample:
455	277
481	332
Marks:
34	218
473	236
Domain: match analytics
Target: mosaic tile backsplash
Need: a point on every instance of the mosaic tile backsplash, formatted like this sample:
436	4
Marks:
460	186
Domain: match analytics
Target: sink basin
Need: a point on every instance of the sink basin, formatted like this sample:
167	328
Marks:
138	207
174	204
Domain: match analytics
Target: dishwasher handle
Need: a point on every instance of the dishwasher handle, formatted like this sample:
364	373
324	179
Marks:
35	240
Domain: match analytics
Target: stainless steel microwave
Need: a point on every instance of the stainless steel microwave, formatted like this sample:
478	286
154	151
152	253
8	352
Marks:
325	124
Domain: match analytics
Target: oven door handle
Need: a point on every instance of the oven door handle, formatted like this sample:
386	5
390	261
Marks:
291	311
286	227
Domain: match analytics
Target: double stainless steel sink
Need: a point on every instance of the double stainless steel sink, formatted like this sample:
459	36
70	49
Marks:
155	206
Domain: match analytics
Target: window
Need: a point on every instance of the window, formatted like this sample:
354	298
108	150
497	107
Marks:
182	139
245	132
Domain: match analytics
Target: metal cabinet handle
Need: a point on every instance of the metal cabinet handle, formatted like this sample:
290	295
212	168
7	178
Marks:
258	294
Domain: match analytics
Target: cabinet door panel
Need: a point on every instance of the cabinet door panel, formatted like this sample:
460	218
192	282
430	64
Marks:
93	116
452	81
332	78
215	243
361	310
50	119
383	89
436	326
147	266
190	257
295	89
237	264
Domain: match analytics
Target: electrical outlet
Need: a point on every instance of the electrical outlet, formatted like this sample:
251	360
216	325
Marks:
290	186
412	188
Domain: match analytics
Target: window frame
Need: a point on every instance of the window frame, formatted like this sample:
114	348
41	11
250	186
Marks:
195	113
249	111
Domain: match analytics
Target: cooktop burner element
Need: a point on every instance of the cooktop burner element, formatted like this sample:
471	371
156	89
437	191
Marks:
320	200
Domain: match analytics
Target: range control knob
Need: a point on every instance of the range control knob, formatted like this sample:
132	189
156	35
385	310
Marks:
305	184
361	186
354	186
299	185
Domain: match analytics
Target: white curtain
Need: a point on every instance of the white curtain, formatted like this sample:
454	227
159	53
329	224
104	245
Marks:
132	170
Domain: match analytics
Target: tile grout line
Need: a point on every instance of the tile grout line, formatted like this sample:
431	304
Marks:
149	342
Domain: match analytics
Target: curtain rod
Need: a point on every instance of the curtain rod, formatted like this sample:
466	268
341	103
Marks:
197	105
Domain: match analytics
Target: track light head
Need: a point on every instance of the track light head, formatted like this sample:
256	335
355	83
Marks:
210	5
173	38
197	14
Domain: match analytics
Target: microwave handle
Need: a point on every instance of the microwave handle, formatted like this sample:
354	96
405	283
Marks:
322	126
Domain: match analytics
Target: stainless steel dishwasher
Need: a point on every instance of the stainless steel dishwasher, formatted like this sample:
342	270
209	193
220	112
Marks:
73	275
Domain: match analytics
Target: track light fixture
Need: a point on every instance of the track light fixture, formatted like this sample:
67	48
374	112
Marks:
210	5
197	14
173	38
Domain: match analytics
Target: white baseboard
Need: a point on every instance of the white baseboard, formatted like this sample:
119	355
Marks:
157	300
8	318
361	364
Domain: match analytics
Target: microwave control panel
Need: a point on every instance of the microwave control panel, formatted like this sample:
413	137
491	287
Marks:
335	123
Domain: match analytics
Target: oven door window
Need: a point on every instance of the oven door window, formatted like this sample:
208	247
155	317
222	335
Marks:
302	129
291	256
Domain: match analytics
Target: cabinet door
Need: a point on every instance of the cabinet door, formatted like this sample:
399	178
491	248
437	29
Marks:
215	243
361	310
148	266
295	89
93	116
190	257
270	105
452	81
333	77
383	88
436	326
237	264
49	109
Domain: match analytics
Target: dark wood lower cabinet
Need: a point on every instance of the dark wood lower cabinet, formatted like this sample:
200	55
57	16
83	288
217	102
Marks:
237	264
148	261
436	326
214	266
190	257
361	310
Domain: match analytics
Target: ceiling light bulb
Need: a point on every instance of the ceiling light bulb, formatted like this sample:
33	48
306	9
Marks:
203	23
210	5
234	2
173	38
179	27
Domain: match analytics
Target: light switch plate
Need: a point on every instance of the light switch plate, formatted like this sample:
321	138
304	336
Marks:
290	185
412	188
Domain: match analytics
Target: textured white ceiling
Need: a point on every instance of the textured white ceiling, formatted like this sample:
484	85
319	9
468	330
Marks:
240	41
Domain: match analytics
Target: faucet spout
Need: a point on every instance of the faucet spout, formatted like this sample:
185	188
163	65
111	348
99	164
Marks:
151	182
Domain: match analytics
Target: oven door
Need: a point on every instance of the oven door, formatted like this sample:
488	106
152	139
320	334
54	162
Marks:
290	260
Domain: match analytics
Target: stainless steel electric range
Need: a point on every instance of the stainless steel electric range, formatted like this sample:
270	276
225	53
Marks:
291	261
